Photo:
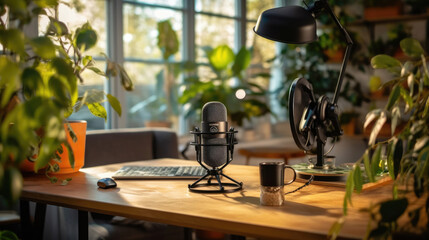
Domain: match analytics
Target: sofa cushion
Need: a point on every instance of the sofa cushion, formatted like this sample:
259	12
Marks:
115	146
129	144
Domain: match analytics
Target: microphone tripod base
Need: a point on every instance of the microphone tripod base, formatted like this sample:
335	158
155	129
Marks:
215	172
206	187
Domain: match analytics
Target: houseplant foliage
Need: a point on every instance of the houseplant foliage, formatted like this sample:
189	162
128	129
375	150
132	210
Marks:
163	105
39	79
405	155
227	68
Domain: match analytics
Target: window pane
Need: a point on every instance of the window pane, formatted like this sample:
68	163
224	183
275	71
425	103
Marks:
140	31
263	49
74	19
91	81
224	7
212	31
139	105
171	3
256	7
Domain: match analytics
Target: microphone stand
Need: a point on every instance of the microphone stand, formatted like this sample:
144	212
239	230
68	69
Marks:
331	108
215	172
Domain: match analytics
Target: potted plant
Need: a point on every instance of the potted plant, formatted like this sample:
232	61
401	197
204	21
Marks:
243	100
39	79
404	155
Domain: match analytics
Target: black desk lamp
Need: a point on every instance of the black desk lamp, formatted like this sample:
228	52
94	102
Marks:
311	120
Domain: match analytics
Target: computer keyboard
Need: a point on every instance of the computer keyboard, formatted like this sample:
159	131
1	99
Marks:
159	172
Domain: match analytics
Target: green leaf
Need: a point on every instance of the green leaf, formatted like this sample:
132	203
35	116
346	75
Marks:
371	116
46	3
70	154
97	71
43	47
167	39
126	81
358	181
397	157
65	182
387	62
9	79
335	229
87	60
408	100
391	210
58	88
393	97
57	28
396	115
31	81
407	68
368	168
426	110
242	61
71	132
375	161
377	127
97	110
395	191
14	40
86	38
114	102
349	192
411	47
390	163
423	158
221	57
8	235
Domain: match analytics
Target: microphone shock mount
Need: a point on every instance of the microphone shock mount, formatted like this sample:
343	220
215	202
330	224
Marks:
215	172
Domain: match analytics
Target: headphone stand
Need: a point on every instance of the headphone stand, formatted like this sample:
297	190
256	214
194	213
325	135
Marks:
215	172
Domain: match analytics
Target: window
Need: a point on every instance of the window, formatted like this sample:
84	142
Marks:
144	63
132	25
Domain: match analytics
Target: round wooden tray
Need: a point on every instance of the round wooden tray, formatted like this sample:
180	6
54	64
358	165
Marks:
303	169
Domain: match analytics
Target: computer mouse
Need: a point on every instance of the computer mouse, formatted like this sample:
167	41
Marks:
106	183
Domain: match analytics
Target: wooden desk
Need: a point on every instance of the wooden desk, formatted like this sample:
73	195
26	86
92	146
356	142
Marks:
306	214
271	152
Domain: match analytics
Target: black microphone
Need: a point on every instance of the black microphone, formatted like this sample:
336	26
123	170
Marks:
214	120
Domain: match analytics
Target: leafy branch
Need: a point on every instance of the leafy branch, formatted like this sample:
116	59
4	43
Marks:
404	154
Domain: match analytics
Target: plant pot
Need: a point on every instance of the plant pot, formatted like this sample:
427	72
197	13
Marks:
349	128
78	147
334	56
372	13
162	124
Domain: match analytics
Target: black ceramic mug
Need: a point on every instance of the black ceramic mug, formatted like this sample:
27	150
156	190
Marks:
272	176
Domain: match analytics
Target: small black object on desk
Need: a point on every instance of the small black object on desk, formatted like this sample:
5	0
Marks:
106	183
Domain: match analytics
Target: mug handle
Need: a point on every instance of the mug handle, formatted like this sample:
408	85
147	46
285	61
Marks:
294	175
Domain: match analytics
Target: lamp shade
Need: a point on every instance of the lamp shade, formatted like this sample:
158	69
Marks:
290	24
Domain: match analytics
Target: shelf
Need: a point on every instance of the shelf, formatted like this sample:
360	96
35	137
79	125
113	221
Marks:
400	18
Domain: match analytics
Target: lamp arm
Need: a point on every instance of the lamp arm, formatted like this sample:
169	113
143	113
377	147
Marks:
349	42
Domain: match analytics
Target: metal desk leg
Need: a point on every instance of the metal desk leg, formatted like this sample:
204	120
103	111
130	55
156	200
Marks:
39	220
29	229
83	225
187	233
26	226
237	237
